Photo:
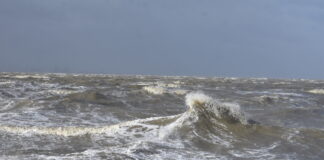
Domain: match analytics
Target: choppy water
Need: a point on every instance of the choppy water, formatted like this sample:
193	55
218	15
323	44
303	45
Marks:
60	116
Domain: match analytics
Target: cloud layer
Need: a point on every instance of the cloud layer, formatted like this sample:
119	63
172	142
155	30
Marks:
258	38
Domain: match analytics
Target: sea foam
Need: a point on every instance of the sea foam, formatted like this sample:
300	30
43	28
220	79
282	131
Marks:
154	90
316	91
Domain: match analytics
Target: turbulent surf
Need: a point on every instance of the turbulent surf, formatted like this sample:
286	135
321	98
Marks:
75	116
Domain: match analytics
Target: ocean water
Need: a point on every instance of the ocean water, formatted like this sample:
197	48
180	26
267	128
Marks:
75	116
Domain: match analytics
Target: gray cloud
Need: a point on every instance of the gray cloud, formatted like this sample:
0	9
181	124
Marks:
281	39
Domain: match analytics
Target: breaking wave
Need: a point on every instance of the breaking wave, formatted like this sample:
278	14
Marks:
316	91
155	90
204	105
162	88
201	109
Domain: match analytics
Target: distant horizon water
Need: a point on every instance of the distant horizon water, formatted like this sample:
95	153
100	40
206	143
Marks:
163	75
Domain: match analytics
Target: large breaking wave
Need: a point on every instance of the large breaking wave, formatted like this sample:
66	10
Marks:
201	109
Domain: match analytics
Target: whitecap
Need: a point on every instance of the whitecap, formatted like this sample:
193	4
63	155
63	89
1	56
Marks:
155	90
62	91
316	91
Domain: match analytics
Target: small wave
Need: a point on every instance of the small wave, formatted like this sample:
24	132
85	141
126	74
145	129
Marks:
62	91
160	88
270	93
143	83
268	99
169	85
31	76
119	94
155	90
179	91
6	104
316	91
260	153
6	83
282	83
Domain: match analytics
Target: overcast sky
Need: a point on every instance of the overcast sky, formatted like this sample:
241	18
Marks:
236	38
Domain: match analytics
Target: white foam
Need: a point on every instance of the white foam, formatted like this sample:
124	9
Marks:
30	76
168	85
155	90
258	153
273	92
316	91
197	97
62	91
143	83
196	100
179	91
159	88
75	131
175	84
282	83
7	82
6	104
60	131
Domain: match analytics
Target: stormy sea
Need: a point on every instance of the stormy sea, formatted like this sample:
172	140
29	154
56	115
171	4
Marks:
81	116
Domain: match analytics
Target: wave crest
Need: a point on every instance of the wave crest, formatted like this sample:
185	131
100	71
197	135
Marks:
203	104
316	91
